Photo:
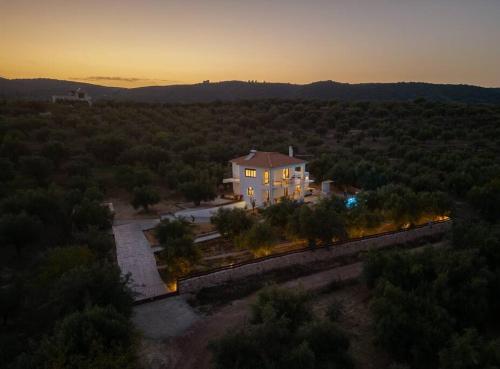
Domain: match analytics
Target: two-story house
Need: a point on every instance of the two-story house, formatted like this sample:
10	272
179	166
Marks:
263	178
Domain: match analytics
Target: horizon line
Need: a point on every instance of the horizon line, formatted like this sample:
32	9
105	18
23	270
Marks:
87	79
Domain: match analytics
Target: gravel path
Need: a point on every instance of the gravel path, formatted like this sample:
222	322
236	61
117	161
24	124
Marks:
162	319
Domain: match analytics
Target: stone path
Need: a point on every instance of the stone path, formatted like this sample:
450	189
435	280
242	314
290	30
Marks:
135	256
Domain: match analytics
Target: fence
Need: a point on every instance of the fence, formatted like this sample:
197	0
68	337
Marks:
194	282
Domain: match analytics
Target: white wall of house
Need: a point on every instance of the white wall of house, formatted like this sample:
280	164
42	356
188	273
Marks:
293	186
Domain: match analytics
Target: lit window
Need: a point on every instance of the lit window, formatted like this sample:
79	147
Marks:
285	192
297	188
250	191
286	173
250	173
266	177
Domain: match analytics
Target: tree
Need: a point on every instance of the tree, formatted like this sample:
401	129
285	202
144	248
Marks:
282	334
328	343
231	222
328	224
302	224
179	252
278	214
147	155
19	230
131	177
259	238
276	303
36	167
486	199
98	337
464	352
144	197
410	327
11	296
108	147
89	214
54	151
6	170
100	243
198	191
171	229
60	260
98	283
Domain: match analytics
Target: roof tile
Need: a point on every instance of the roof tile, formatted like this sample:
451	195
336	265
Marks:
267	159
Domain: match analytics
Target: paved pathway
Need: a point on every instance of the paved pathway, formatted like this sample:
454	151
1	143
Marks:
203	215
135	256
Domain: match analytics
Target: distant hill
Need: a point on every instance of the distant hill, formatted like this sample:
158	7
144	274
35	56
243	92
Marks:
44	88
237	90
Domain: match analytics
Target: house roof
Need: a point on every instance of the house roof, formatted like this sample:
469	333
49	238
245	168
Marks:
266	159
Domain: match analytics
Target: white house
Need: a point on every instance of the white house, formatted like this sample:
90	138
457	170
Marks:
74	95
266	177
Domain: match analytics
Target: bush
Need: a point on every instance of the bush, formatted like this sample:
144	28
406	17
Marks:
231	222
259	238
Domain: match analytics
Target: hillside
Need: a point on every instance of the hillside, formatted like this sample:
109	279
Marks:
238	90
44	88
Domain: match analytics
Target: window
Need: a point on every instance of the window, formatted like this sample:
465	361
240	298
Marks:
297	188
250	173
250	191
286	173
298	169
285	192
266	177
267	195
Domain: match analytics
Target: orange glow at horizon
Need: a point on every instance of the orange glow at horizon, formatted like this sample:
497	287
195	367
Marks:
132	43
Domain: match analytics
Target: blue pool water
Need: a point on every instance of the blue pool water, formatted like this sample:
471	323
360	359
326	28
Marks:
351	202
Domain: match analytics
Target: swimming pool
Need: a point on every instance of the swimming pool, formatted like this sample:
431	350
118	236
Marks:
351	202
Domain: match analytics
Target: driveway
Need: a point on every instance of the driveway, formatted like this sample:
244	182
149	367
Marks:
135	256
203	215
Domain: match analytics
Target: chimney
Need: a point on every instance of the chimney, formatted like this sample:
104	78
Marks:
251	155
290	151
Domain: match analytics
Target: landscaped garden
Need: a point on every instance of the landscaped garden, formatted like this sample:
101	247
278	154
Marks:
290	225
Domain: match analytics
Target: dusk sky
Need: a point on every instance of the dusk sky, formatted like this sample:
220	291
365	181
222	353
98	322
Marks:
161	42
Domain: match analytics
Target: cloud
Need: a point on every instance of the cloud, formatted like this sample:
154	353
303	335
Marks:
122	79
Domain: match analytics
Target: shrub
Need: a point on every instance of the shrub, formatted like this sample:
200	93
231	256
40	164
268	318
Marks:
231	222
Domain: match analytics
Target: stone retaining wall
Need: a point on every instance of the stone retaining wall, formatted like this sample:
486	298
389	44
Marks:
195	283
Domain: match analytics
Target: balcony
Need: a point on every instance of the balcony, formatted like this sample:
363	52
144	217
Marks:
287	182
231	180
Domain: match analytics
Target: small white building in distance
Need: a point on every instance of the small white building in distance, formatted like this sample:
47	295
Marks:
263	178
74	95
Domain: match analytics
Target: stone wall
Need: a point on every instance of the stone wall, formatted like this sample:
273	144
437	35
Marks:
195	283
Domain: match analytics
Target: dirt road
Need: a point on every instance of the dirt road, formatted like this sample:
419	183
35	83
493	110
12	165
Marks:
189	350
